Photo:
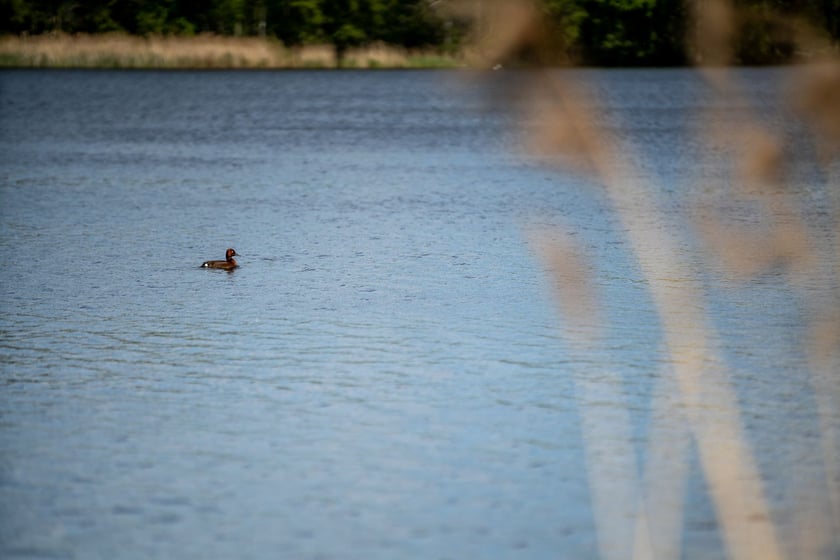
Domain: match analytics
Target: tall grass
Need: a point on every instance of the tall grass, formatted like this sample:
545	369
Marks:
117	50
695	406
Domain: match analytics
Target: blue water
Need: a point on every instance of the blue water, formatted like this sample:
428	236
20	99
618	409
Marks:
385	375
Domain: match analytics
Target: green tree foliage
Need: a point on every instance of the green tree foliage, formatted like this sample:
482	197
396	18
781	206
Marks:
632	32
602	32
294	22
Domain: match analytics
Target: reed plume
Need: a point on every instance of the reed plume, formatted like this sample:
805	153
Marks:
695	396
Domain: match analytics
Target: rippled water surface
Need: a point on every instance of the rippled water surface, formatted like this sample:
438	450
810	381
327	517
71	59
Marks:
384	376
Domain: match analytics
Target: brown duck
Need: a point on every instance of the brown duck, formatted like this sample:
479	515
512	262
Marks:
228	264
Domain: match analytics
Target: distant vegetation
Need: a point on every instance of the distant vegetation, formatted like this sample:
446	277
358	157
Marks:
601	32
123	51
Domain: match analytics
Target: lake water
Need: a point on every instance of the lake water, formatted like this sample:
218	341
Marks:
386	374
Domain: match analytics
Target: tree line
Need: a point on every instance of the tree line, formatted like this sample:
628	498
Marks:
601	32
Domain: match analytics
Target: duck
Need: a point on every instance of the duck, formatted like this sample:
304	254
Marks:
228	264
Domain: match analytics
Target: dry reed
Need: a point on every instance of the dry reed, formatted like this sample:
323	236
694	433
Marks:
119	50
696	397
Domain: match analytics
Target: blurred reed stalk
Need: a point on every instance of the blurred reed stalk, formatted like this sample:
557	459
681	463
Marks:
762	162
696	394
118	50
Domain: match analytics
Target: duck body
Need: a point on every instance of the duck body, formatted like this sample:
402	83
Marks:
228	264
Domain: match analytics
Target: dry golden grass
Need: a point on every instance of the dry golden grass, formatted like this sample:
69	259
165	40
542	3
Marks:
119	50
642	516
125	51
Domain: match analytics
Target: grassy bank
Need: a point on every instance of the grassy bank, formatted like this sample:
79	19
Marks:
202	51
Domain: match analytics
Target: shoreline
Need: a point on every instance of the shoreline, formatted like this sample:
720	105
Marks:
121	51
201	52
